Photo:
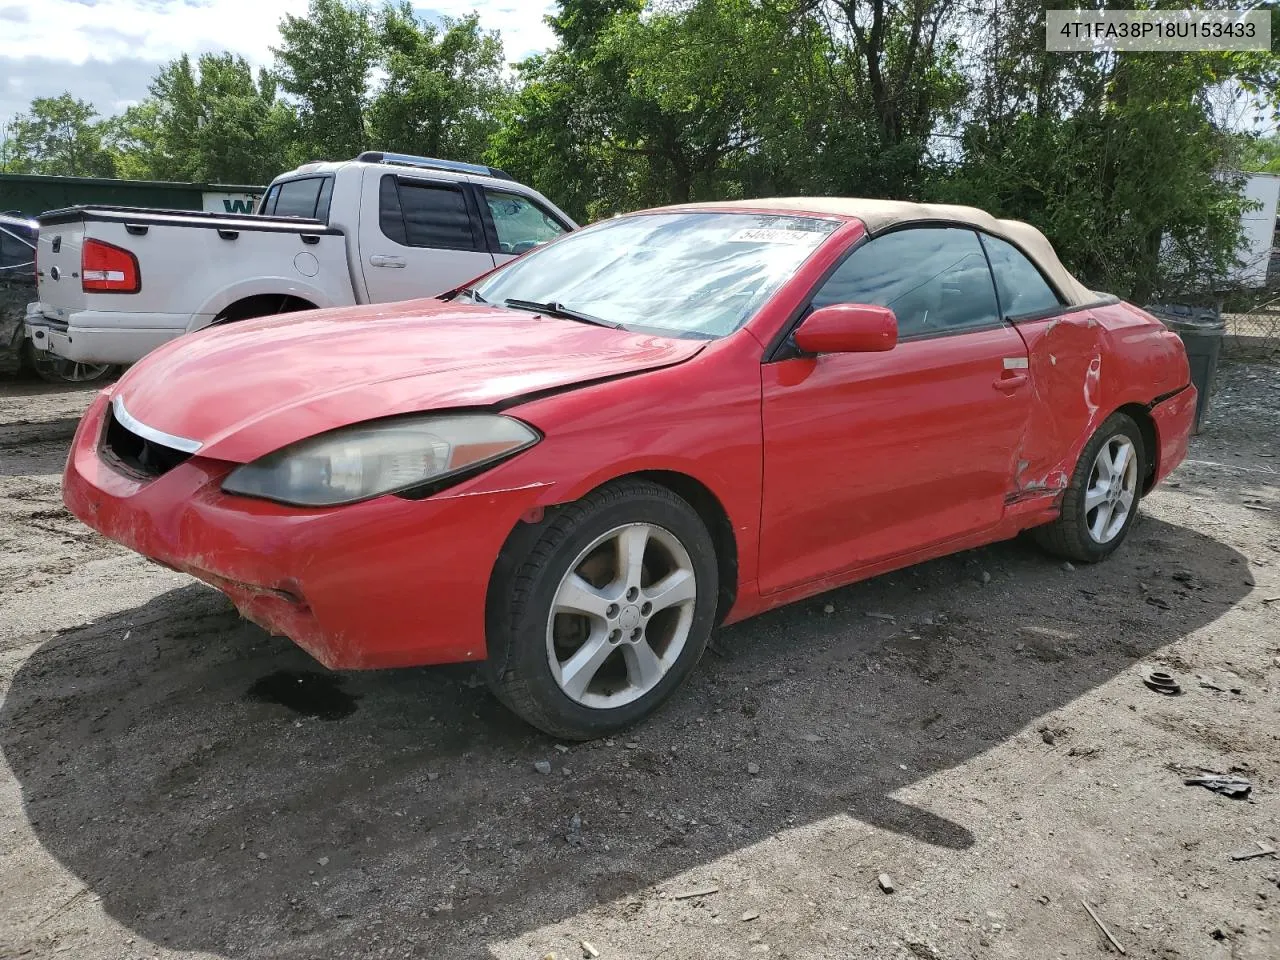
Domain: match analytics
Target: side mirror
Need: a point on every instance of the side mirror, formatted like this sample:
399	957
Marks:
848	328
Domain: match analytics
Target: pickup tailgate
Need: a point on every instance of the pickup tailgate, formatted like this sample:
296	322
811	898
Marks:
58	269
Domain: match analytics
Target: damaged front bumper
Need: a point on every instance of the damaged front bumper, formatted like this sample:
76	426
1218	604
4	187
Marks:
384	583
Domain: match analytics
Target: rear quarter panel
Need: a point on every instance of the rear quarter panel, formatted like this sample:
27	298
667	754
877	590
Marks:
1084	366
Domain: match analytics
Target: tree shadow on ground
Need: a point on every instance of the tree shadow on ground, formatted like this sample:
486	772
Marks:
158	765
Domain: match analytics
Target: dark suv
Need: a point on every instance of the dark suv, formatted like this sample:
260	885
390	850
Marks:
17	289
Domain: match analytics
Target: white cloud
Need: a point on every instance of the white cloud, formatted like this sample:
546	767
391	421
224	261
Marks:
102	41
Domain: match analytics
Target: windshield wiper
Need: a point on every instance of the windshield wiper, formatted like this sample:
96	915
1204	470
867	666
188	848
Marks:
556	309
468	292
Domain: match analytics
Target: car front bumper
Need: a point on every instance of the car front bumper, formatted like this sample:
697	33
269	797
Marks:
384	583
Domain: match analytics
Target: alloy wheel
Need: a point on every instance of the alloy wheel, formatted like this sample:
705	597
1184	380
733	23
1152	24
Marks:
1113	486
621	616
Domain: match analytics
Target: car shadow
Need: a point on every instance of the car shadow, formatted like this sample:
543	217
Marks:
219	792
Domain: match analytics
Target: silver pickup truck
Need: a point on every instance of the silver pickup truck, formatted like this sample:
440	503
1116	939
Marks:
115	282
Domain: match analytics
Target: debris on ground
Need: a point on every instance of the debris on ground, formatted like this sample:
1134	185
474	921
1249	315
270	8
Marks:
589	950
889	617
750	915
1225	784
753	769
829	608
697	892
1102	926
1162	682
1262	851
1208	684
542	766
886	883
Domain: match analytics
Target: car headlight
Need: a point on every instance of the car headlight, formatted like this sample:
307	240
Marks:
369	459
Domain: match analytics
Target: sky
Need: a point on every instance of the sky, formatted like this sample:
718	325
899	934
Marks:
106	51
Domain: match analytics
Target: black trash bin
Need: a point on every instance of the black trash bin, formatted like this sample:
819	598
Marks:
1201	330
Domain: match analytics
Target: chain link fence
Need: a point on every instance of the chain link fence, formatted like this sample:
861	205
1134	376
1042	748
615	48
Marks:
1253	335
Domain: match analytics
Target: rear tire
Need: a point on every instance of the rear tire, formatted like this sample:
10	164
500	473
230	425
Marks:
1097	508
597	615
51	368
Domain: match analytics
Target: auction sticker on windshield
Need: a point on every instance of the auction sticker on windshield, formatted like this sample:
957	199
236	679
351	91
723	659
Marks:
807	238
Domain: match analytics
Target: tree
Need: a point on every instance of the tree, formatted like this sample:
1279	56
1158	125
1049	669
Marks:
1261	154
443	87
60	136
665	105
324	62
210	122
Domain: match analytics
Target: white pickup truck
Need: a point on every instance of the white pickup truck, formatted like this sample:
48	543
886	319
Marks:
116	282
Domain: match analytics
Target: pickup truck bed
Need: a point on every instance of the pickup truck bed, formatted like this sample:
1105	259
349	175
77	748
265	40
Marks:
291	258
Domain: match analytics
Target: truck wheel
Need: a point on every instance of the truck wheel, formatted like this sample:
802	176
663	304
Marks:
52	368
1101	501
605	614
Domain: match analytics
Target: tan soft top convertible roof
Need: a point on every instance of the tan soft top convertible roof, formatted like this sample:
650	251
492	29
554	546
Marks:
881	215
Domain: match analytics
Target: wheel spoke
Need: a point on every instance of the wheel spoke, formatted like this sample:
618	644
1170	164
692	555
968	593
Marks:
578	596
644	669
577	672
632	542
1100	522
676	588
1105	469
1121	461
1126	501
1093	497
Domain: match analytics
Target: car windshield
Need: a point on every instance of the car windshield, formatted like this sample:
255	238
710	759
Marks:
680	274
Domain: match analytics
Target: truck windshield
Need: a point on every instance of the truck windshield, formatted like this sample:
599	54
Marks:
697	274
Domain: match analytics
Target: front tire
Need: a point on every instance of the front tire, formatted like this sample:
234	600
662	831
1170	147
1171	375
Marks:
605	613
1101	501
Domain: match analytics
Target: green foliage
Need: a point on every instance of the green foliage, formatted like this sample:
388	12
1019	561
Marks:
215	121
443	87
1261	154
60	136
1124	160
324	62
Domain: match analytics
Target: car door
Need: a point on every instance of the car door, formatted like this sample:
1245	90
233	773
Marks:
516	223
419	236
876	455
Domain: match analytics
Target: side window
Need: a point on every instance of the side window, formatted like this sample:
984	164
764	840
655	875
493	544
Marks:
935	279
298	198
268	207
419	214
1022	289
326	194
520	223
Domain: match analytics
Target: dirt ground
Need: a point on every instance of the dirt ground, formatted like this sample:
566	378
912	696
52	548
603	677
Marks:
175	783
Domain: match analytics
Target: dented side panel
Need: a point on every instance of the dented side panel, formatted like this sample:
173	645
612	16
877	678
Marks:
1085	365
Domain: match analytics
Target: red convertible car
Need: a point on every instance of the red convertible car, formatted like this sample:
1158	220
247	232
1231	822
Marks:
577	466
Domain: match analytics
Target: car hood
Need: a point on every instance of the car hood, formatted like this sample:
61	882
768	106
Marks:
247	389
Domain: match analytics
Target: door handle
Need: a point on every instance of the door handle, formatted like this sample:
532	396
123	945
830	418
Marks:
384	260
1010	383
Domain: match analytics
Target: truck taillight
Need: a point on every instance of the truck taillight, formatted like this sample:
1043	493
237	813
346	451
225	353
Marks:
106	268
